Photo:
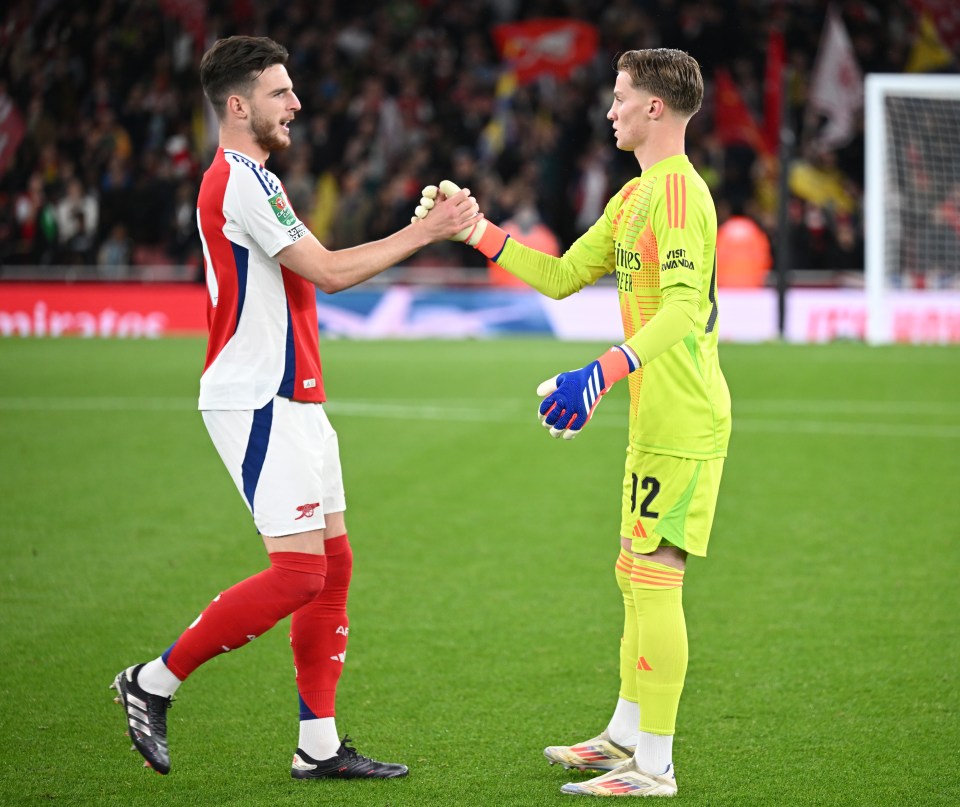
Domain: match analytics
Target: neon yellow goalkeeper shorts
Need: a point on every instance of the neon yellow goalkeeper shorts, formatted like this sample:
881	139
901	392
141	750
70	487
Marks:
669	500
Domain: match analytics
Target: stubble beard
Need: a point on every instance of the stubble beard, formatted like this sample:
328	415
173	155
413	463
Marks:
265	134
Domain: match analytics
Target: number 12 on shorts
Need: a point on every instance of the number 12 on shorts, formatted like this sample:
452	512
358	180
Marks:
652	486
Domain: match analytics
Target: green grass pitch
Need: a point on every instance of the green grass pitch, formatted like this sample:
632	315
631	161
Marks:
485	621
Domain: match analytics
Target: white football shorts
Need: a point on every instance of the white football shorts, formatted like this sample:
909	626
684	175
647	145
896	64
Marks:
284	460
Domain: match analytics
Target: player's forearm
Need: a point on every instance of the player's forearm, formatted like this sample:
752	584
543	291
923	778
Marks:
669	325
335	270
554	277
579	266
588	259
348	267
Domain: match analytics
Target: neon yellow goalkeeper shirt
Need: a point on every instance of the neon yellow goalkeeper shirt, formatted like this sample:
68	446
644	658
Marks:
659	234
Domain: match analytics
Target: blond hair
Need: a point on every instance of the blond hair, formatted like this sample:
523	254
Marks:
669	74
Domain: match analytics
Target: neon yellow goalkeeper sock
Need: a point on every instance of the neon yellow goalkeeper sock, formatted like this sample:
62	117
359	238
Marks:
624	726
631	637
661	664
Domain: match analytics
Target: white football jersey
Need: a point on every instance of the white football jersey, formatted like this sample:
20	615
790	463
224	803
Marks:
262	317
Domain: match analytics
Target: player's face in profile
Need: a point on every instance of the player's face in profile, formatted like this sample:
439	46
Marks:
628	113
272	108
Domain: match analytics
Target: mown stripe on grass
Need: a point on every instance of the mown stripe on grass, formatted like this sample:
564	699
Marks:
508	410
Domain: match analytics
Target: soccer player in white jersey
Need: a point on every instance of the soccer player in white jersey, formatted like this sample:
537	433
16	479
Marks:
261	396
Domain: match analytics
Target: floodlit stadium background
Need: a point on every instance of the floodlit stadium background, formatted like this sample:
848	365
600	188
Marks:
106	134
484	617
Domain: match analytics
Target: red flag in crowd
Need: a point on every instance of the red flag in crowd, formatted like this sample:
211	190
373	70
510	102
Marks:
773	90
190	15
545	46
11	132
836	91
733	121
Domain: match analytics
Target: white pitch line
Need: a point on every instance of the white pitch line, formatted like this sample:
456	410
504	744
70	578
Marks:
608	421
514	411
848	429
774	405
97	404
415	411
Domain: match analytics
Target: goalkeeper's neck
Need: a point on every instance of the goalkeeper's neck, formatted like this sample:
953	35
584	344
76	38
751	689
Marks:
666	138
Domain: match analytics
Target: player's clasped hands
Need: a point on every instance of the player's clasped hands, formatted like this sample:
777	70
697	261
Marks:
432	195
456	211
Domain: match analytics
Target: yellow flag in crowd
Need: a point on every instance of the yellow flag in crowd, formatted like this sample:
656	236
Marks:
928	53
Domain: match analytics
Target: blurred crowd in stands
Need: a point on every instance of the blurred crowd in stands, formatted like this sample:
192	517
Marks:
116	134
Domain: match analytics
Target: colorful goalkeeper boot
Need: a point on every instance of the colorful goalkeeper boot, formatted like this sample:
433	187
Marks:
346	764
599	754
146	719
627	780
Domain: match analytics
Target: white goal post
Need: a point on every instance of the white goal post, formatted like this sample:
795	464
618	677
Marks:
911	195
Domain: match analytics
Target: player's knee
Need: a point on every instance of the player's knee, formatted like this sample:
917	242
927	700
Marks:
669	555
648	574
339	561
332	601
301	574
623	570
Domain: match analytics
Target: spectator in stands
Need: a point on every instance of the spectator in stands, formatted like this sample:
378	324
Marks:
354	212
301	185
115	254
36	221
526	227
185	242
78	214
592	186
743	253
108	138
106	91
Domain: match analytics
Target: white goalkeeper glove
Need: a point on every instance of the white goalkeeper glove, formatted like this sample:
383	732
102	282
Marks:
484	236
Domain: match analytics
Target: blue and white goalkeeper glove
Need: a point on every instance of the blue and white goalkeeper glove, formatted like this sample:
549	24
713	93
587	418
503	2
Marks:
569	399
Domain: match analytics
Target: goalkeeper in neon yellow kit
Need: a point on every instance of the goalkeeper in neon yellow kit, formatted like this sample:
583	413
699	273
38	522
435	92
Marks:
658	234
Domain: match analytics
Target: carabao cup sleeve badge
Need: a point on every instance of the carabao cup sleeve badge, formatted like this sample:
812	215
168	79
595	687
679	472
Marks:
282	210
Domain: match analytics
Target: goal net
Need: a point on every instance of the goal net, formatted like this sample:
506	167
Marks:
912	193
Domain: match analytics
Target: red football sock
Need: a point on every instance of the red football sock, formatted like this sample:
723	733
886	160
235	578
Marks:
318	634
251	607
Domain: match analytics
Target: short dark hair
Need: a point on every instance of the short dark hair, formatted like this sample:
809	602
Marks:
669	74
232	65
